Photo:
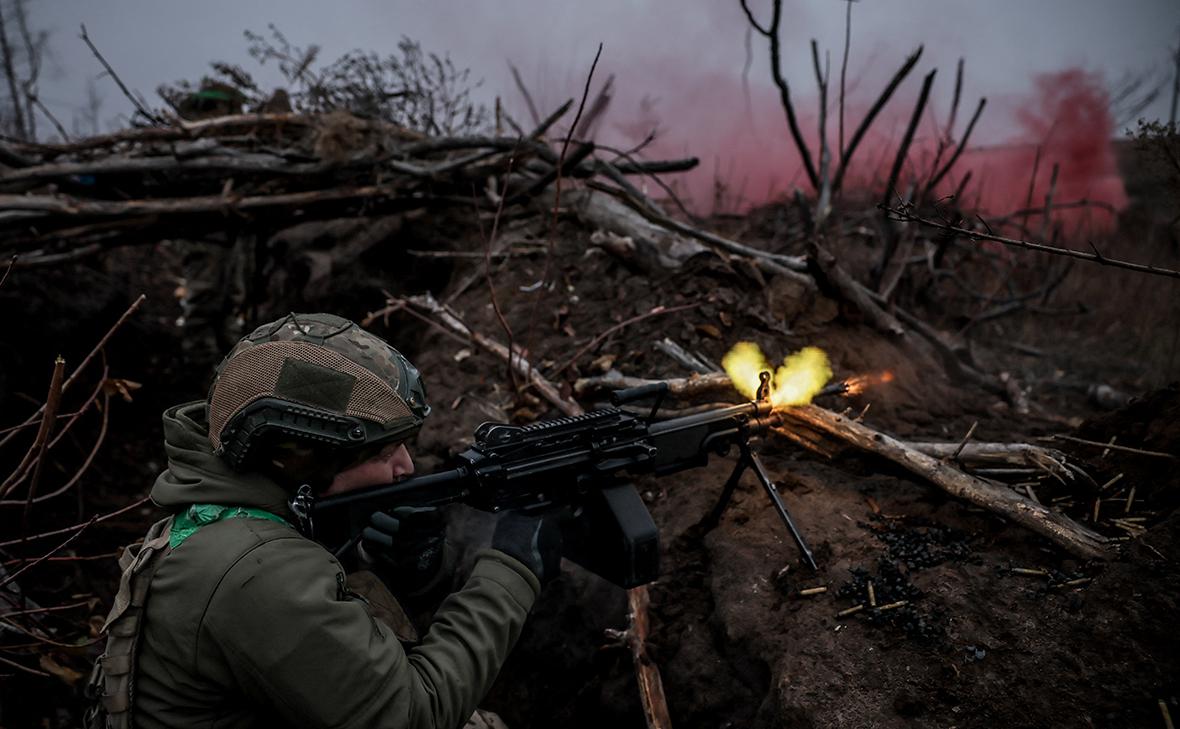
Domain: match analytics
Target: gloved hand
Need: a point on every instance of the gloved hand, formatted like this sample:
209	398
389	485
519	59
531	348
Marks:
409	542
534	541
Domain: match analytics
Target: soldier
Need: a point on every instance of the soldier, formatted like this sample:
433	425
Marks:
228	616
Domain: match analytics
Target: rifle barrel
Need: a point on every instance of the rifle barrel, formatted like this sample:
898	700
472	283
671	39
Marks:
443	486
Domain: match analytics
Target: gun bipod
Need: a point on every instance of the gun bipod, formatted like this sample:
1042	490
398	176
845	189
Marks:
749	459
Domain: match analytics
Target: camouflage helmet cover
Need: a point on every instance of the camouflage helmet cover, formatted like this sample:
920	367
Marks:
315	378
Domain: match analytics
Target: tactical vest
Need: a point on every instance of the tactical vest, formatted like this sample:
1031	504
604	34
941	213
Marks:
111	687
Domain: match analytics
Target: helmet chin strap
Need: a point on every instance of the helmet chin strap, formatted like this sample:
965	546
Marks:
301	506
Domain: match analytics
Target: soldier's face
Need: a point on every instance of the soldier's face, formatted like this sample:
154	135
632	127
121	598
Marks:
392	464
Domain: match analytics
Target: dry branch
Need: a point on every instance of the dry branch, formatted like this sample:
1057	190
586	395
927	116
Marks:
1113	447
655	246
82	366
771	33
1059	529
48	417
874	110
904	148
447	316
853	292
687	387
902	213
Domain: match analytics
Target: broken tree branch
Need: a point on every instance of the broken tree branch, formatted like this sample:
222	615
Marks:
958	150
770	32
589	346
82	366
1113	447
853	292
904	214
115	77
874	110
445	315
686	387
1059	529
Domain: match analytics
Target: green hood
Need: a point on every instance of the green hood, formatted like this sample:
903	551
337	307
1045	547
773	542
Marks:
196	476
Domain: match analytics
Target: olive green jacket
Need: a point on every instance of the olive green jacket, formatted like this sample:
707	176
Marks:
249	624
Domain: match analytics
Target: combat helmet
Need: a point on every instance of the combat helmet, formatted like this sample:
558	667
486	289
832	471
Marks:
313	381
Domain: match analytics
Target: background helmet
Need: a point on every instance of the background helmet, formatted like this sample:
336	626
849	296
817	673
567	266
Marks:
313	381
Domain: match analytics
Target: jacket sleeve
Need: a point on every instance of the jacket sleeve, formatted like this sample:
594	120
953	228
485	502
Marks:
295	641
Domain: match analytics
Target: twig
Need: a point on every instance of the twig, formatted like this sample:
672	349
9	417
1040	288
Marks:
446	316
528	98
770	32
1111	446
54	609
907	138
122	87
48	554
10	74
76	527
589	346
544	124
98	441
963	443
824	199
23	667
903	214
48	419
1047	220
487	271
874	110
844	73
1032	184
33	99
958	150
85	361
11	264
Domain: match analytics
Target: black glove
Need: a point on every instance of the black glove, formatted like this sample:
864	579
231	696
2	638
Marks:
534	541
409	542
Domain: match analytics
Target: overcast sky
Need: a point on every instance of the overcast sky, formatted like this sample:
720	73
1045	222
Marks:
683	53
1005	42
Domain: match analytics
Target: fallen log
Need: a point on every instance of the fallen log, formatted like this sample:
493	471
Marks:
684	387
1059	529
656	247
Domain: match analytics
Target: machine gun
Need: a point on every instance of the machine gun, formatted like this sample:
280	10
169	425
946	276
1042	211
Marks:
578	465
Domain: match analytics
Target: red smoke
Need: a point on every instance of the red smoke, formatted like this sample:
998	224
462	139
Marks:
1068	118
744	146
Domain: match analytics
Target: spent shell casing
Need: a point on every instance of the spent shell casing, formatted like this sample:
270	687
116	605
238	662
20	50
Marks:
1027	571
